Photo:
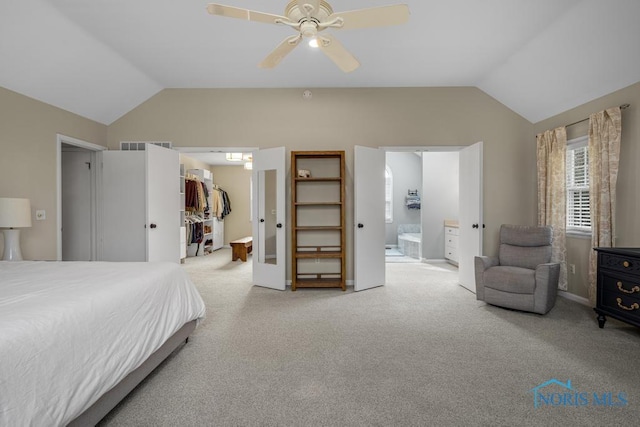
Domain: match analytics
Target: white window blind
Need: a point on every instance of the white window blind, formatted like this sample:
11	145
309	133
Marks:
578	206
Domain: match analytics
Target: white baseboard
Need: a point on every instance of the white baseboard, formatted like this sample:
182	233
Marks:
434	261
576	298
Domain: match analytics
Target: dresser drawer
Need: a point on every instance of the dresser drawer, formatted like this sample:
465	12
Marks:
619	283
619	263
626	306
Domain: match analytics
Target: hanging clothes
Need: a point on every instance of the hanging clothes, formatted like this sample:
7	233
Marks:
221	203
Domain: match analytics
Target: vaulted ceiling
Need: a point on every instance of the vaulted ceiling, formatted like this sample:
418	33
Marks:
102	58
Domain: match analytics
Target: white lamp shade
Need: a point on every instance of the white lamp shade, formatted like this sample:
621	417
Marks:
15	213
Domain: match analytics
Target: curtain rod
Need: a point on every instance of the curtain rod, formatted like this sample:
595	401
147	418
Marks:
622	107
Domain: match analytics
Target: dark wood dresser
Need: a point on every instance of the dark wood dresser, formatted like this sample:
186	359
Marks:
618	285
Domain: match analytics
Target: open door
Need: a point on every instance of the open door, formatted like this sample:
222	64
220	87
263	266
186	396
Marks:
470	218
369	231
268	218
140	205
163	204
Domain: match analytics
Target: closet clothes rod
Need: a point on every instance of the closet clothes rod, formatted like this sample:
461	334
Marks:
622	107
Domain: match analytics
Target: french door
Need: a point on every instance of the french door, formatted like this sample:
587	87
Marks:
470	217
268	218
369	226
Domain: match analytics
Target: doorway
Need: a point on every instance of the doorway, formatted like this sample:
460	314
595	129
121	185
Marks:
422	190
77	185
231	171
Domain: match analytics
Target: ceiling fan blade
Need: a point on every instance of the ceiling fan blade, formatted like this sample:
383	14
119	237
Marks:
372	17
280	52
337	53
248	15
309	7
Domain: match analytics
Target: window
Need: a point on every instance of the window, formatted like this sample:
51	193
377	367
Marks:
388	195
578	207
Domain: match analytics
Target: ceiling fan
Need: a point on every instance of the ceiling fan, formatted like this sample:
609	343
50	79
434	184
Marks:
309	18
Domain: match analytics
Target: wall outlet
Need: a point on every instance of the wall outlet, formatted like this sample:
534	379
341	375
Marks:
41	215
572	268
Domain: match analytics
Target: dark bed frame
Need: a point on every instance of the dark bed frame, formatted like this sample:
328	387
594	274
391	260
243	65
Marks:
110	399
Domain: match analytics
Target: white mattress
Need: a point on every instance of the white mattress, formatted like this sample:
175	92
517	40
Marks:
70	331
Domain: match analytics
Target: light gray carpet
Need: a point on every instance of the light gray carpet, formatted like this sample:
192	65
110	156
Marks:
419	351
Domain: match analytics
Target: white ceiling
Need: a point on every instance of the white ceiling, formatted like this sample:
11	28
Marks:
102	58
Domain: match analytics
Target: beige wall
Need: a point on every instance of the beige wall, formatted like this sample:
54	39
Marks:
28	144
342	118
628	188
332	119
191	163
236	181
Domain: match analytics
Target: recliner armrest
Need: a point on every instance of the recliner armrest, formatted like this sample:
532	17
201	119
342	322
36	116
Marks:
547	277
481	264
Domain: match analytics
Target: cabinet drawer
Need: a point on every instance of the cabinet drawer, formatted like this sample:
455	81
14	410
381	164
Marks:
451	253
626	306
619	283
448	231
451	240
619	263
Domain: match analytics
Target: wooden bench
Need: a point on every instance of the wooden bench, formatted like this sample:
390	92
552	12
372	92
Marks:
240	248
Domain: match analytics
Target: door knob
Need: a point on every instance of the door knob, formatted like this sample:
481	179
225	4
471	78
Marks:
261	219
474	226
279	225
360	225
153	226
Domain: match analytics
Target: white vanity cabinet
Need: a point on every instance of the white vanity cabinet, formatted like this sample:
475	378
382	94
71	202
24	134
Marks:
451	232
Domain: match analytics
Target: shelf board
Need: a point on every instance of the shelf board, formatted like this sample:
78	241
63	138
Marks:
317	227
318	204
319	283
319	179
318	254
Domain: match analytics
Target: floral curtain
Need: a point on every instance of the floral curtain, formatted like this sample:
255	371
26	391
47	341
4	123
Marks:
604	153
552	181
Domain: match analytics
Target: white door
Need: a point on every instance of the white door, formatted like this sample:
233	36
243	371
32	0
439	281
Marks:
470	218
369	225
163	204
123	202
77	213
268	218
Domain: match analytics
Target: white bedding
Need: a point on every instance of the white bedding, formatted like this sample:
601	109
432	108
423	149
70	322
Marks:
70	331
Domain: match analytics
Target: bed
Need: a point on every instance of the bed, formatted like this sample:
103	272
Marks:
76	337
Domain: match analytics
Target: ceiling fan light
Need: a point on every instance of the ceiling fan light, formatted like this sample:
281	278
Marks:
313	42
234	157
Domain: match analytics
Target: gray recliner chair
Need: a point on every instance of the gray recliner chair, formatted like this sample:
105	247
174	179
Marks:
522	277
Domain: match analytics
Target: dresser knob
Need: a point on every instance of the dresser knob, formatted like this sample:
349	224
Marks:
626	264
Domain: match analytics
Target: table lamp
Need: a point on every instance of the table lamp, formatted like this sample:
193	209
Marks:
14	214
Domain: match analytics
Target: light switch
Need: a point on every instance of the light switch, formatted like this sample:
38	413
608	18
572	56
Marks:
41	215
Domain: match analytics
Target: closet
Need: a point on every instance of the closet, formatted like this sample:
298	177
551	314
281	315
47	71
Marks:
204	213
139	195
